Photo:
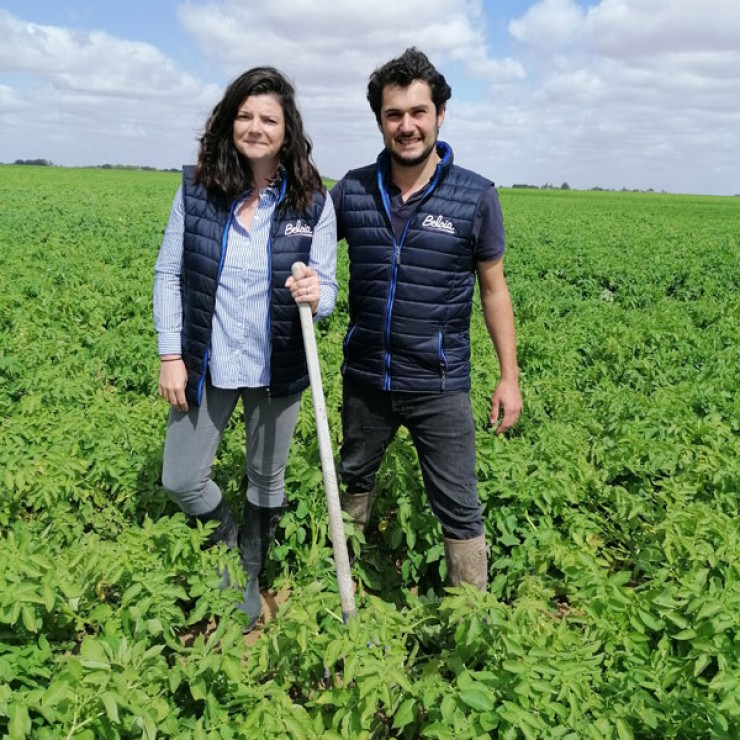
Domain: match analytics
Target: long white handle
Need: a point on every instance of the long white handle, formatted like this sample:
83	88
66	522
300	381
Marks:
341	559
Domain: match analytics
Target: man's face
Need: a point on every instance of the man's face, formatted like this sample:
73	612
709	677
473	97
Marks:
409	123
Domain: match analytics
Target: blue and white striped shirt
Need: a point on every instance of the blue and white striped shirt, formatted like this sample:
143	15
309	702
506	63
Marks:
240	345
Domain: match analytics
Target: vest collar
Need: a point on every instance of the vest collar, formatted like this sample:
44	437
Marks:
444	150
383	172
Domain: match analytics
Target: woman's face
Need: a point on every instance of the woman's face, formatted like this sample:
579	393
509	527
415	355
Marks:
259	129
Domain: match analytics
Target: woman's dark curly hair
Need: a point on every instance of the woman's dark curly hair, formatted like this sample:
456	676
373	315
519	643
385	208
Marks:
410	66
222	169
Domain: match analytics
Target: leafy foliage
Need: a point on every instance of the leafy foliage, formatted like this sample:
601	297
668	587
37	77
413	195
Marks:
611	509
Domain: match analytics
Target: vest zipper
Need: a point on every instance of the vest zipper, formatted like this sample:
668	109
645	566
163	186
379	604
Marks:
281	197
224	244
268	389
202	380
397	246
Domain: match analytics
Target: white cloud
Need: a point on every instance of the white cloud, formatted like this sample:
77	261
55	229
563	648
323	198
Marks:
8	98
628	29
636	84
618	92
342	38
85	93
549	24
329	50
494	71
93	62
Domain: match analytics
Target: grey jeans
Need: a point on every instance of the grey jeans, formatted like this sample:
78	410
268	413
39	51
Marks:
193	437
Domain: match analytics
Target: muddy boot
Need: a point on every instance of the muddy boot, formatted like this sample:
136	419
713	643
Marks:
227	529
467	561
358	506
256	536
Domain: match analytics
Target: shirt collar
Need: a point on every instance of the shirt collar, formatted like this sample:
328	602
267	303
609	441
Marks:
272	190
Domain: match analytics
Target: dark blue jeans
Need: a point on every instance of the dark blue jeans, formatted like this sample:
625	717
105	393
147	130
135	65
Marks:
442	429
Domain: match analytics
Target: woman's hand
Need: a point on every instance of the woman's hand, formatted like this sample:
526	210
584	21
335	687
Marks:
304	287
173	378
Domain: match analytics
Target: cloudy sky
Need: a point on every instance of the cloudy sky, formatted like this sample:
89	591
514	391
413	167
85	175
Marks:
609	93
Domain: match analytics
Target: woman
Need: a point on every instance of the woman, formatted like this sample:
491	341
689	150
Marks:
225	306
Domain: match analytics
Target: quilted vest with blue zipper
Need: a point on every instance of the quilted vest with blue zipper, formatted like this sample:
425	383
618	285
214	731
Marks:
207	220
410	300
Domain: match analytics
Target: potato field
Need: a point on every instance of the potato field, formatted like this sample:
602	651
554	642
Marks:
613	609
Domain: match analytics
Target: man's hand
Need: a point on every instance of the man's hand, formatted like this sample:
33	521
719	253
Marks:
499	316
173	378
506	397
304	287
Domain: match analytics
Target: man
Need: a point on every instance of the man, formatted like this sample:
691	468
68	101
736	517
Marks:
419	229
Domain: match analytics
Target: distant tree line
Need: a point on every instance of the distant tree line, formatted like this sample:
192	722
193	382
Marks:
565	186
49	163
546	186
145	168
36	162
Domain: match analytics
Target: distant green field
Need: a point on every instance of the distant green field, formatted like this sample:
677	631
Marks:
612	509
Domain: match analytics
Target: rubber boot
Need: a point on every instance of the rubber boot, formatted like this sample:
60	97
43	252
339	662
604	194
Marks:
256	535
467	561
358	506
227	529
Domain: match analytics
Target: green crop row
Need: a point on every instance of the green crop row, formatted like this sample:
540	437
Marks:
611	509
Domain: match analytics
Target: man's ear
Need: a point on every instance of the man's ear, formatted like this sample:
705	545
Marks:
441	115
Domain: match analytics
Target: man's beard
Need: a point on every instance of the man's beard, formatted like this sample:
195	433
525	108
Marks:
403	162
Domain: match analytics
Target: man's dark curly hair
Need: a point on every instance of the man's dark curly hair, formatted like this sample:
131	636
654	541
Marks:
223	170
410	66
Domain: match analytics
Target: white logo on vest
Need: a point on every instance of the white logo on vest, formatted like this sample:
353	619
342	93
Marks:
440	224
298	229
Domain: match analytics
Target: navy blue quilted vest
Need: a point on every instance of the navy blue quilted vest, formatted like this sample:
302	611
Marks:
410	301
207	220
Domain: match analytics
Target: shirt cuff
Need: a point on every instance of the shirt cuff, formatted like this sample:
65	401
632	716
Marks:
168	343
326	305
